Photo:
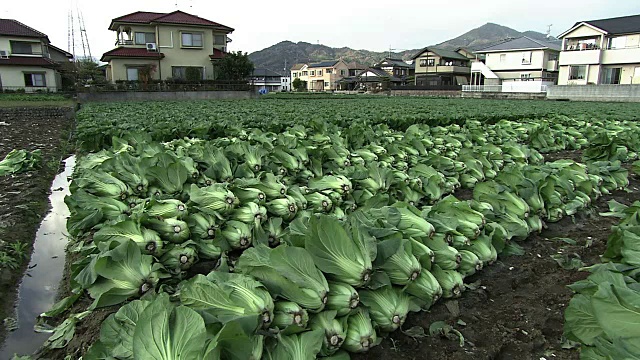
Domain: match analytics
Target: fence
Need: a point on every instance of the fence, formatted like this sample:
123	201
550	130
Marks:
429	87
514	86
28	90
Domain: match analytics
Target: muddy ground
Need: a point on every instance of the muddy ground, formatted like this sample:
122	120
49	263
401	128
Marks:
23	197
515	311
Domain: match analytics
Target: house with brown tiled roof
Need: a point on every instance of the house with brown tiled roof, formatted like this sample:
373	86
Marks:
28	61
172	45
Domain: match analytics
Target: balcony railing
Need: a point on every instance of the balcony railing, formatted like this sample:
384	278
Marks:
482	88
121	42
582	47
516	86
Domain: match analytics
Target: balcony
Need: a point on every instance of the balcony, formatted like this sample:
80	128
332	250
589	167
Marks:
552	65
580	57
444	69
621	56
121	42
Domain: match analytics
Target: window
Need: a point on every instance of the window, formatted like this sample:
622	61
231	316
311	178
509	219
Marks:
526	57
619	42
525	77
611	75
577	72
23	47
329	71
186	72
145	37
319	72
219	39
35	80
295	74
132	73
343	72
423	62
192	40
313	73
305	73
503	58
326	84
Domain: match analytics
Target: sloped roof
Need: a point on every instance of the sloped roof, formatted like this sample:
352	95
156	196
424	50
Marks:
123	52
442	53
395	63
354	65
176	17
521	43
64	52
217	54
16	28
297	67
618	25
28	61
266	73
326	63
379	73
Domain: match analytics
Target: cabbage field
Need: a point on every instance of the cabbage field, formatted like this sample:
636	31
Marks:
314	228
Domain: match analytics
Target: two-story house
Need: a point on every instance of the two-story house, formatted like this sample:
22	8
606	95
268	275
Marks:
519	65
321	76
176	46
440	67
605	51
28	61
269	81
396	67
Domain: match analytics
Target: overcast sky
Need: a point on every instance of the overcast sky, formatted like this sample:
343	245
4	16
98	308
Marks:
359	24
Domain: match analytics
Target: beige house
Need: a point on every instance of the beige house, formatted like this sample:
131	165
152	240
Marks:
176	45
440	67
519	65
603	51
28	61
321	76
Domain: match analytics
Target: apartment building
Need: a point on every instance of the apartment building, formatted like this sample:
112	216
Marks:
605	51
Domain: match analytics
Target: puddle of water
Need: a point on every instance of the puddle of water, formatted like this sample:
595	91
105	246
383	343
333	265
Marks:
39	286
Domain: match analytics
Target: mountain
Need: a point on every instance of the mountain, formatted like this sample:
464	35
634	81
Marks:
275	56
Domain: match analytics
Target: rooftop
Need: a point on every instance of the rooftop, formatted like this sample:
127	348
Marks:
521	43
618	25
123	52
16	28
176	17
449	54
28	61
326	63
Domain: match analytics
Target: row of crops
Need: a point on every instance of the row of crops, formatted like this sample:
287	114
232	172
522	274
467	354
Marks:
315	240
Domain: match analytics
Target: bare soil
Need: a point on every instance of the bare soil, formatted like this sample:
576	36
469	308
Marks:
23	197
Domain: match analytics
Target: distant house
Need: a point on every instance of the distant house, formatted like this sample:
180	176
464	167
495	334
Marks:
28	61
269	81
320	76
370	79
605	51
355	68
519	65
175	45
440	67
396	67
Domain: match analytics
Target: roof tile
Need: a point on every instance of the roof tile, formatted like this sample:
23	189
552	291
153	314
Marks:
131	53
176	17
27	61
16	28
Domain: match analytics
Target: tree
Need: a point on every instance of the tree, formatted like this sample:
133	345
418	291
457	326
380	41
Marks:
88	72
298	85
235	66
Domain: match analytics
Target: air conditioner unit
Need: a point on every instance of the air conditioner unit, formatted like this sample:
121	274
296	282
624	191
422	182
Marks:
4	54
152	47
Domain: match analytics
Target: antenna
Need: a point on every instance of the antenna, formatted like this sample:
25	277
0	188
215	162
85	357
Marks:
549	30
77	21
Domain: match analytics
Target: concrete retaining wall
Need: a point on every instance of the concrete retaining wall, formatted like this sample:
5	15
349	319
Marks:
503	95
427	93
618	93
10	114
164	95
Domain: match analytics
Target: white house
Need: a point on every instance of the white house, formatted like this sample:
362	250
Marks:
517	65
605	51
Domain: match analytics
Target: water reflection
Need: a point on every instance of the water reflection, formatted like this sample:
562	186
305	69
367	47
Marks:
39	286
